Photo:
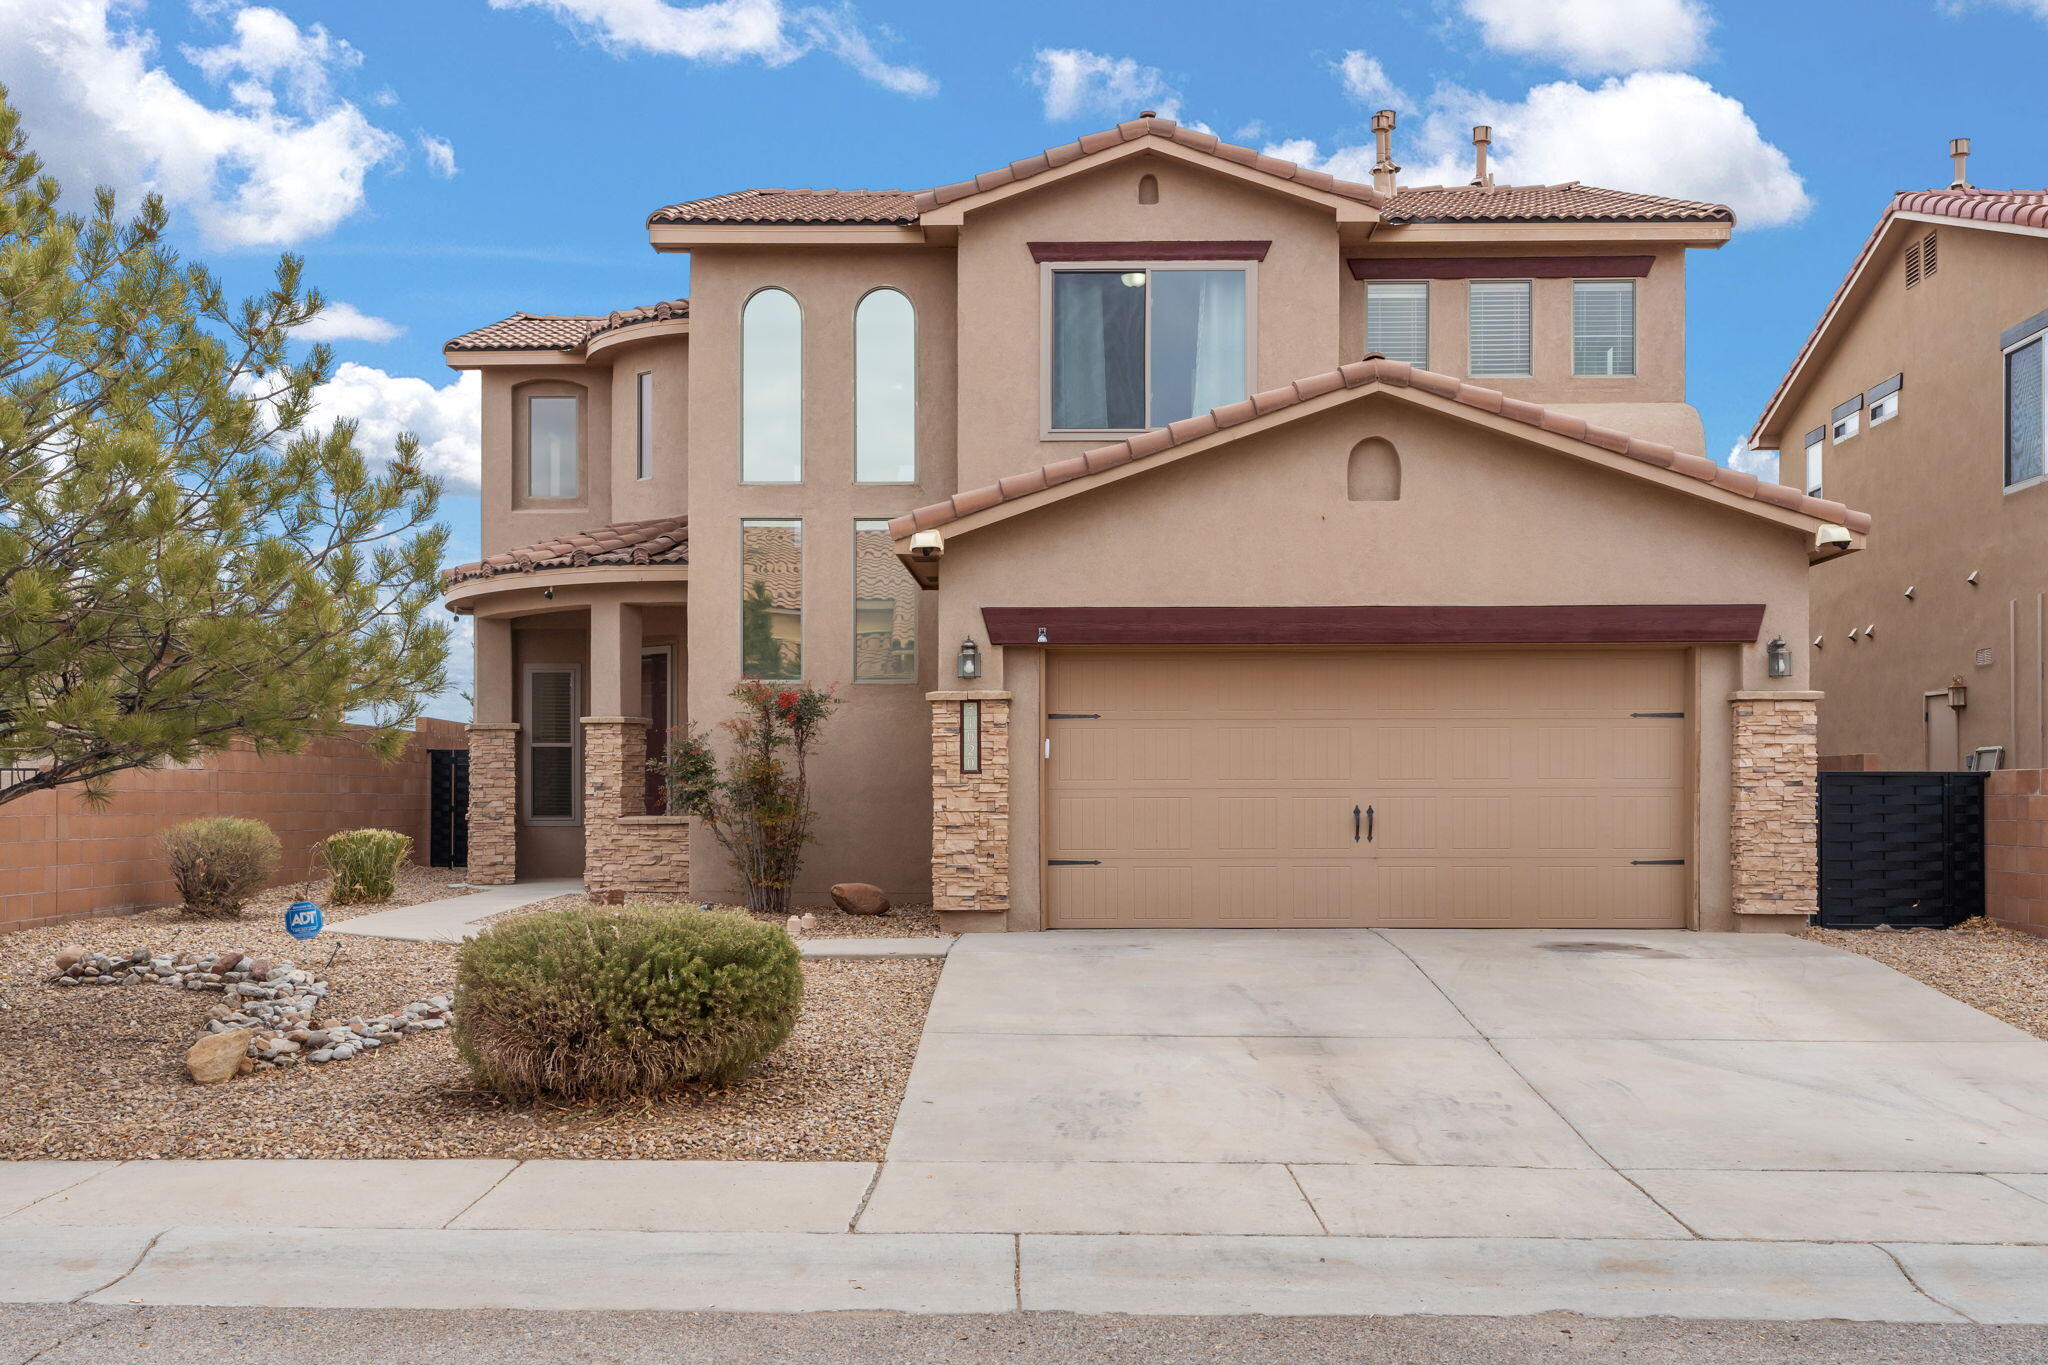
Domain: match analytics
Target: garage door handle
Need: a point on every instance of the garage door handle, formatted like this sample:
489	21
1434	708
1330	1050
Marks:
1073	862
1354	824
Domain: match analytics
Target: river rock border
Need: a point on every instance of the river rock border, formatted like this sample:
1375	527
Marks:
275	1001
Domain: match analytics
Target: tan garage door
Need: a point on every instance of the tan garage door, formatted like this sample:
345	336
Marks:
1531	787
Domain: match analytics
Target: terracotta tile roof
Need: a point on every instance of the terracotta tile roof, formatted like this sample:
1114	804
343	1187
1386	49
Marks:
664	540
1372	370
1567	203
2021	208
556	332
794	207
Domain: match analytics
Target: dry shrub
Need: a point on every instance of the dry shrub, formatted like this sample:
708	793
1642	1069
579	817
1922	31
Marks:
219	862
365	863
587	1004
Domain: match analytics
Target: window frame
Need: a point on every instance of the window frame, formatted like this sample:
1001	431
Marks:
2037	337
916	453
1877	395
575	394
643	424
802	331
1428	331
1047	269
1849	413
527	674
1529	292
803	652
871	525
1815	447
1635	329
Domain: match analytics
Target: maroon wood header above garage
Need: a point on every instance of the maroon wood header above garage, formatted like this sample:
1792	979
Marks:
1675	623
1500	267
1151	251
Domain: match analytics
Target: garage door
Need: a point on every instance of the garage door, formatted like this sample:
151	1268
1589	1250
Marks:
1274	788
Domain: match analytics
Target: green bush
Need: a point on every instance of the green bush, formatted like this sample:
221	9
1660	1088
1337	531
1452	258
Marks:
364	862
586	1004
219	862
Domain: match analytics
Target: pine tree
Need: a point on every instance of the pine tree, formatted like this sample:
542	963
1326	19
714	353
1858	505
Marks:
184	560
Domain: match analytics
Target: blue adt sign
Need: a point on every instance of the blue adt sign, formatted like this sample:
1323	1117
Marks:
302	919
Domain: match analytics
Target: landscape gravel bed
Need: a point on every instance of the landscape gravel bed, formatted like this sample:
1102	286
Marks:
912	921
2002	971
99	1074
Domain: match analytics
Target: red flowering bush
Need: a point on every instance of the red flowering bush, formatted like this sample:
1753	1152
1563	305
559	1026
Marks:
758	805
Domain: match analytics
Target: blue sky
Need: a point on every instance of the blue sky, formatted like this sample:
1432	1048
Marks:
441	163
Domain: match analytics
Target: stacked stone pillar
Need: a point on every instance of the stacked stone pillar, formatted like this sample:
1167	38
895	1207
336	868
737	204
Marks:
970	810
493	803
1774	824
626	851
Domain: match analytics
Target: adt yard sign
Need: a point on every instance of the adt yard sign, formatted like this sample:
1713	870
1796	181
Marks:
302	919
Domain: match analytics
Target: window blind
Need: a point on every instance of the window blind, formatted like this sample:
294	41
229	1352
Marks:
2026	423
1603	327
1498	330
551	744
1397	320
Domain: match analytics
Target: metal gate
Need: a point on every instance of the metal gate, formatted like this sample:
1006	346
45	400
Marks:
448	804
1901	849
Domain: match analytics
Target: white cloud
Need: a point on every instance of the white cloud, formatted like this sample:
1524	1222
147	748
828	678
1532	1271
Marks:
1654	132
448	420
346	322
2037	8
1589	37
1762	463
440	153
731	31
1365	80
285	160
1078	83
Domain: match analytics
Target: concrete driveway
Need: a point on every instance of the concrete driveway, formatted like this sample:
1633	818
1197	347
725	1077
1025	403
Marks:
1444	1083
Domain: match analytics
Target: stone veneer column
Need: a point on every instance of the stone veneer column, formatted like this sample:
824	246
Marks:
493	804
1774	824
627	852
970	811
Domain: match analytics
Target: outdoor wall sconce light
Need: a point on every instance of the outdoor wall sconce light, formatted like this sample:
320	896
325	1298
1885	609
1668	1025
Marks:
970	659
548	593
1779	655
1042	638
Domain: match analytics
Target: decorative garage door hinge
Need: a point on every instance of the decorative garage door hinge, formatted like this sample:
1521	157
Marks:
1073	862
1656	715
1656	862
1073	715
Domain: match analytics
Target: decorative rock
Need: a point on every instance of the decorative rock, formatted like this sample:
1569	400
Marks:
220	1056
859	898
228	961
69	956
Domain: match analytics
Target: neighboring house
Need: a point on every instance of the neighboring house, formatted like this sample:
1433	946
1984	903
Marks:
1135	498
1919	397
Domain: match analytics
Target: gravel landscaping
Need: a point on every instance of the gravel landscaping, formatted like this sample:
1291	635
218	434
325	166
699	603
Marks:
99	1073
2001	971
914	921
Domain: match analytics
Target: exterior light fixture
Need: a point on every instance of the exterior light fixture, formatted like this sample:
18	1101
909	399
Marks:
970	659
1779	656
1042	638
548	593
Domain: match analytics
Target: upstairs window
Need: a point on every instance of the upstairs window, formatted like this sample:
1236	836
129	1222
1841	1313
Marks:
2026	415
1397	320
1137	347
1497	333
644	431
771	389
1603	327
885	389
1846	420
884	608
1816	443
553	423
1883	400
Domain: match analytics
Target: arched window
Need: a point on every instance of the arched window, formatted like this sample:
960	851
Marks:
1148	189
771	389
1374	474
885	389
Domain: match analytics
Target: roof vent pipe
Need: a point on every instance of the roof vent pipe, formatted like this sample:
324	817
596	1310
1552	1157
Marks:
1482	137
1959	151
1384	170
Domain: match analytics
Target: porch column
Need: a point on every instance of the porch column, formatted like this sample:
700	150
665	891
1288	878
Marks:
493	760
970	802
625	850
1775	821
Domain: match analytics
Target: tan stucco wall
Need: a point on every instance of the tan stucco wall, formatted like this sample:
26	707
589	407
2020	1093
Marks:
666	491
507	520
1482	519
1933	480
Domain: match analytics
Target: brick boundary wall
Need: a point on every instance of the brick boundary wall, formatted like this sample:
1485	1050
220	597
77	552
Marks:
970	811
2016	848
60	860
494	804
1775	821
627	852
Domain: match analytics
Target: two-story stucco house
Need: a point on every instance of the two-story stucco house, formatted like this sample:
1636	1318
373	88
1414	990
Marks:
1919	396
1196	539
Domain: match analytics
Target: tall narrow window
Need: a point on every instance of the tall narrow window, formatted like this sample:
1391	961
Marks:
1397	320
644	437
1498	327
551	745
885	389
1816	443
2026	415
551	446
771	389
772	599
884	608
1603	327
1142	347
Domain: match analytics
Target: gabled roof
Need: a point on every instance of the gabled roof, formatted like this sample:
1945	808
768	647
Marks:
2013	209
1392	376
558	332
663	540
